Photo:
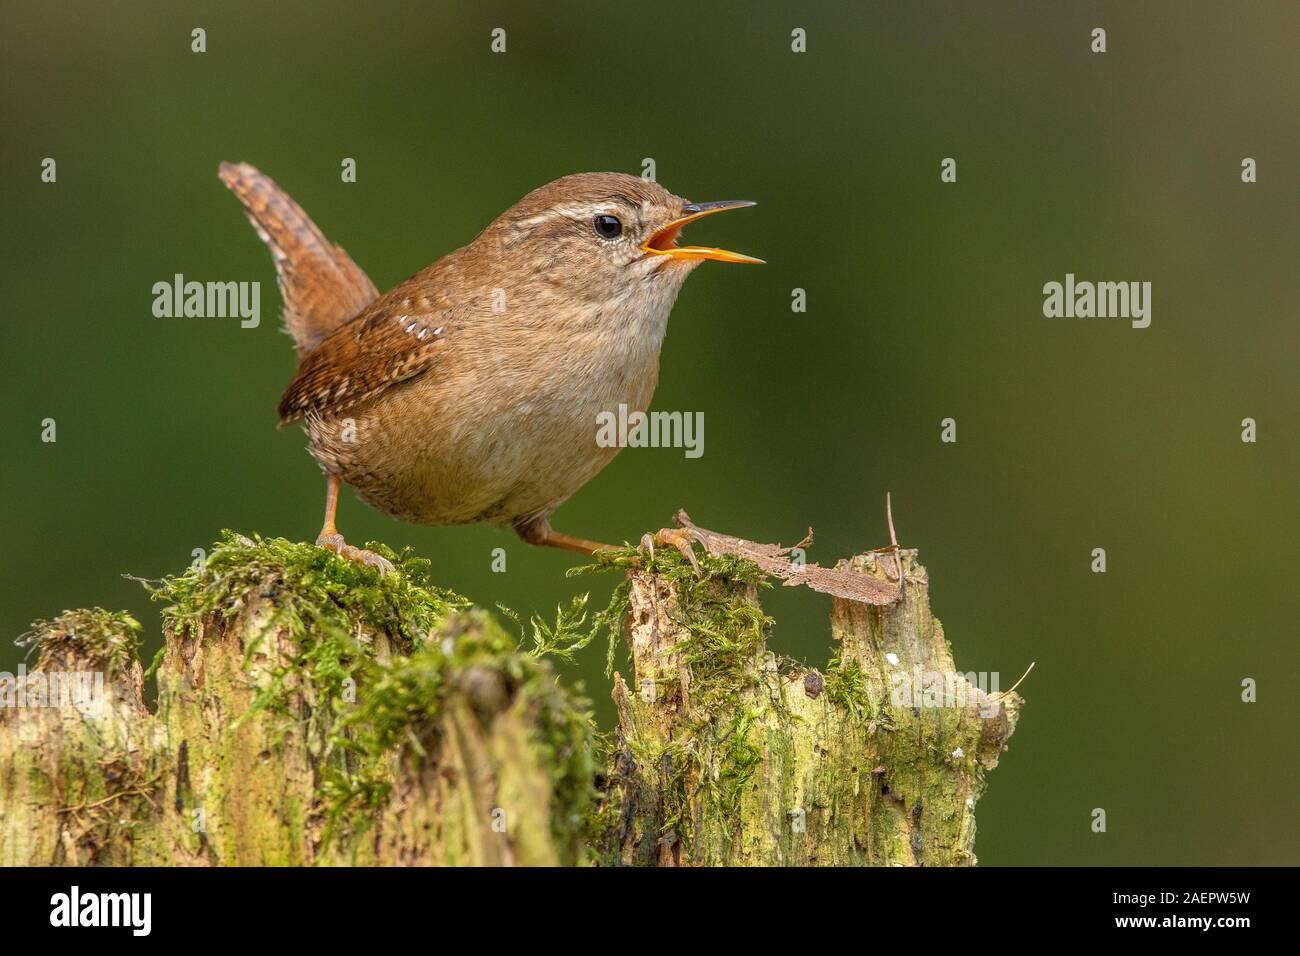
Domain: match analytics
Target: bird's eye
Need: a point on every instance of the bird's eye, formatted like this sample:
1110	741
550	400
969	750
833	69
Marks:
607	227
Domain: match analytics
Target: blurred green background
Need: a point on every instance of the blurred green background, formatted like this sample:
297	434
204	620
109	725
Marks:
924	301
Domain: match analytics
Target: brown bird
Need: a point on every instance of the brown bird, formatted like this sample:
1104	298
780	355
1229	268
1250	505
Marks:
470	392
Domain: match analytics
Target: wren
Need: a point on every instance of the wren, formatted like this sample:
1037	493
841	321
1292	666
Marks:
470	391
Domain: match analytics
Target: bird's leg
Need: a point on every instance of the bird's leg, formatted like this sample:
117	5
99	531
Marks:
330	538
539	532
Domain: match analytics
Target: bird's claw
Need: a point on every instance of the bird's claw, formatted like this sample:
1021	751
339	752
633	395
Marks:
330	542
334	542
678	538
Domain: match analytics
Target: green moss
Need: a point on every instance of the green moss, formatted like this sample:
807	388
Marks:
564	638
722	651
670	562
739	759
565	742
714	756
609	622
369	711
318	597
408	693
332	611
400	706
846	687
664	771
318	587
400	713
726	628
107	639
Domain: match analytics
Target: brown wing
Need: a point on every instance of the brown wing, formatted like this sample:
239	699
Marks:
321	286
379	348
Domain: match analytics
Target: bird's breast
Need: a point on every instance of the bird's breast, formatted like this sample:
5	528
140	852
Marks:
506	425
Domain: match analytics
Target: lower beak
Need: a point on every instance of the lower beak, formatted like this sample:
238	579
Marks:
663	241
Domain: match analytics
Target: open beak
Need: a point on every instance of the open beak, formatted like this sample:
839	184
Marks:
664	241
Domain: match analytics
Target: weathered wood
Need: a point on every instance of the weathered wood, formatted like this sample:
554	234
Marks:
727	756
311	712
293	734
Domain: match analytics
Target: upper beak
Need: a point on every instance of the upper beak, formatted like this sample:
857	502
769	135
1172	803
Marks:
662	242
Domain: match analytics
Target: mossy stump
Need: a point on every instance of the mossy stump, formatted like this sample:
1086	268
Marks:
726	756
309	712
312	712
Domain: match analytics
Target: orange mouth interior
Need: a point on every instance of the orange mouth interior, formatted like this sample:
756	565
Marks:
664	240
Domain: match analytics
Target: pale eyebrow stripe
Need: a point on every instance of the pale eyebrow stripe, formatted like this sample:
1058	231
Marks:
583	210
568	210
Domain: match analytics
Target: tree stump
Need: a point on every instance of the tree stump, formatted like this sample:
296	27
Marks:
313	712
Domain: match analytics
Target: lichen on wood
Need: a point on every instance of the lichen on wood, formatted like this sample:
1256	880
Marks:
728	756
311	711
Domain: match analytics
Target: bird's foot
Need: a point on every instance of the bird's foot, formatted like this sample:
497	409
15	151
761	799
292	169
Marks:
679	538
333	541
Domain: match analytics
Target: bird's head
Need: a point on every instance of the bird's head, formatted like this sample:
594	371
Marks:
607	234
